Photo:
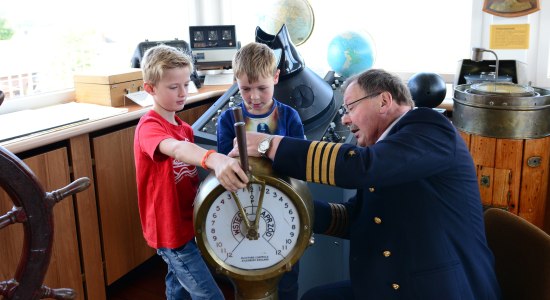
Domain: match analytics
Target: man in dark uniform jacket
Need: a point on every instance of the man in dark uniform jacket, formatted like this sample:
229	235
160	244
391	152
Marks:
416	223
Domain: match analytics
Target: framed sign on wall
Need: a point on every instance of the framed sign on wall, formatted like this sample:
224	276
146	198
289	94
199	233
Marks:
510	8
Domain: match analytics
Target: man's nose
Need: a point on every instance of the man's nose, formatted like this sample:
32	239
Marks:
346	119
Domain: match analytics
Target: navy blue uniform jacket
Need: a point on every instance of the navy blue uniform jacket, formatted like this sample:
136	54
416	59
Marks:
416	224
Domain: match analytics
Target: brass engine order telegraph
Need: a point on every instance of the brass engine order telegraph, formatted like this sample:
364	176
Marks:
256	234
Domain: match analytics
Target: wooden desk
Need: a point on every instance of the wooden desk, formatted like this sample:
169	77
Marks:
134	113
447	104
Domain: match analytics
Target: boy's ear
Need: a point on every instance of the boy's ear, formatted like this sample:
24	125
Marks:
276	76
149	88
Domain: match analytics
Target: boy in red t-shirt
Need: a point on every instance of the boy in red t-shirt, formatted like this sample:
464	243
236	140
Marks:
167	177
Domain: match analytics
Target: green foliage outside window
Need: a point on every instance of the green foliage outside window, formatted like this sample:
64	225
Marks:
5	32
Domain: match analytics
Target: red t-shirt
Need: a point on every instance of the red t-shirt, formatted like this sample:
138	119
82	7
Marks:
166	187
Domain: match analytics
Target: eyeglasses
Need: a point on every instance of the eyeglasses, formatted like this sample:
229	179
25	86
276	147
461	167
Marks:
347	110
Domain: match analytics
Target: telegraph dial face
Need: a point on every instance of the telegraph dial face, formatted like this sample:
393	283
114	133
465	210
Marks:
257	232
278	227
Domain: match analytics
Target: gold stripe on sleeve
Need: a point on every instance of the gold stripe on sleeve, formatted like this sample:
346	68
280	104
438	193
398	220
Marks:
321	162
309	160
332	164
317	163
326	153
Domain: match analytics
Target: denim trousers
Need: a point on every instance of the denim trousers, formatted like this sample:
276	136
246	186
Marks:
188	276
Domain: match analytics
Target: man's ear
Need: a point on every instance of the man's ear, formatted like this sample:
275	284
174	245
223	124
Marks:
149	88
276	76
386	101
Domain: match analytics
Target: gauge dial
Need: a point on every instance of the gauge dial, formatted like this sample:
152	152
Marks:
257	233
278	227
198	36
212	35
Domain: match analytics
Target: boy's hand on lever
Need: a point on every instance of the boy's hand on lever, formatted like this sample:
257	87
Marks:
228	171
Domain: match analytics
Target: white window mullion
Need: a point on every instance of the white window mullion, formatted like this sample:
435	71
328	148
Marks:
542	58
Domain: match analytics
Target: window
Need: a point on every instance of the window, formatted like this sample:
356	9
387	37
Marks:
50	44
410	36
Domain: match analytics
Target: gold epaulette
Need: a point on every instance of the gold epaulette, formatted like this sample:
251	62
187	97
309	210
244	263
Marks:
321	162
339	222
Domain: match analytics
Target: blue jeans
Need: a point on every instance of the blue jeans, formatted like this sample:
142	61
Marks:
188	276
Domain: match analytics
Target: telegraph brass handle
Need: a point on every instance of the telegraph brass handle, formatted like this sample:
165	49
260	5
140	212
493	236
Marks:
242	212
240	133
252	230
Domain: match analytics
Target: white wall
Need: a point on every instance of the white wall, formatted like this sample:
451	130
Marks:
536	57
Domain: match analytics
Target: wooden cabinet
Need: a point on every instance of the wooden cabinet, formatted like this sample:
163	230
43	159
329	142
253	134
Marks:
192	113
52	170
124	247
513	175
97	235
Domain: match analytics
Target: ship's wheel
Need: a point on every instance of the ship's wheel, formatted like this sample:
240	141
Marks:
33	207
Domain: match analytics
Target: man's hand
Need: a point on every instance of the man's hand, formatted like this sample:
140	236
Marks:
252	141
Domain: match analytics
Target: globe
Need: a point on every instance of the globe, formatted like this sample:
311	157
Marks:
351	53
296	14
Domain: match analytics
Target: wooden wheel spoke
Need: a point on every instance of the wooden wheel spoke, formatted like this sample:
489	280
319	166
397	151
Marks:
33	208
8	287
74	187
60	294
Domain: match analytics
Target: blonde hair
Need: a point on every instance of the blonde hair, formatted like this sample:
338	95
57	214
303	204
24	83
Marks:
160	58
256	61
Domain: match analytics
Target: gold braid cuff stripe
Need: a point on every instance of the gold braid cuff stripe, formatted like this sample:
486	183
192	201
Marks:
339	222
321	162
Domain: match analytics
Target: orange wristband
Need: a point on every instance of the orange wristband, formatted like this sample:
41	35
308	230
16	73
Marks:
205	157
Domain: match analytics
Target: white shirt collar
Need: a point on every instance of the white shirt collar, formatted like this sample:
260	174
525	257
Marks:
385	133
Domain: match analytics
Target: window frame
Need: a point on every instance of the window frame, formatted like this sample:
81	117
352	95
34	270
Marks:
537	57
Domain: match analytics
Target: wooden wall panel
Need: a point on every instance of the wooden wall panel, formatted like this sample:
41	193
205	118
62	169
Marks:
483	150
64	271
193	114
124	247
508	162
466	137
88	221
52	169
534	187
